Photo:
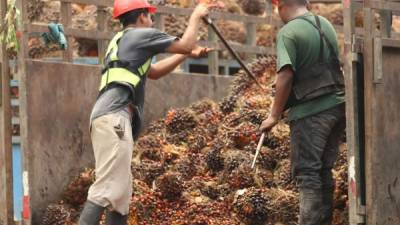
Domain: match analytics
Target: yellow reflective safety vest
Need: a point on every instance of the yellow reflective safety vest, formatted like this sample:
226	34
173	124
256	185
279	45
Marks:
125	73
119	71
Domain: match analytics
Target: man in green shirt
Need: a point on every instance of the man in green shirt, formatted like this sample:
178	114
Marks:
310	83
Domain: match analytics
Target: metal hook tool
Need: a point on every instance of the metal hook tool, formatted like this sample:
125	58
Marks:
258	149
208	21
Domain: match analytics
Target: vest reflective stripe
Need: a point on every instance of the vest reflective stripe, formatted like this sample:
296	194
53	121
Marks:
113	47
145	67
119	73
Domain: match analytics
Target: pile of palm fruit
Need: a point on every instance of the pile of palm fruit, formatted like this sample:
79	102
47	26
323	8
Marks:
193	167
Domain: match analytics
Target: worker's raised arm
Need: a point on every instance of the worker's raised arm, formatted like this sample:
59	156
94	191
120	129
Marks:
167	65
187	43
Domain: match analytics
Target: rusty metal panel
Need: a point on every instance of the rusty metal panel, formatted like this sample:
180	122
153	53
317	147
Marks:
180	90
59	99
383	161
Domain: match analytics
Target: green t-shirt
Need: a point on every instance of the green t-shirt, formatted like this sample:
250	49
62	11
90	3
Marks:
298	45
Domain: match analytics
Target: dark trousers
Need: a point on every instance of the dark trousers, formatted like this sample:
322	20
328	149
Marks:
314	148
314	145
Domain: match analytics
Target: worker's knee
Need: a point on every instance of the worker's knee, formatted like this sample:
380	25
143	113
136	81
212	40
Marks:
308	179
314	179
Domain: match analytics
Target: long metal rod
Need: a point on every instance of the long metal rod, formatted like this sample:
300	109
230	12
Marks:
5	130
208	21
258	149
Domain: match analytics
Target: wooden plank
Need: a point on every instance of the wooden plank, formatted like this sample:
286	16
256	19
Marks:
39	28
25	37
186	12
251	38
66	16
213	59
385	166
109	3
381	139
269	8
391	42
1	85
23	117
370	123
6	171
384	5
106	3
385	23
160	21
101	26
220	15
378	73
89	34
160	24
353	112
3	182
214	15
97	35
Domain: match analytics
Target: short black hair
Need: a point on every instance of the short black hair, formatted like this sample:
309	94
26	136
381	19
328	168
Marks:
131	17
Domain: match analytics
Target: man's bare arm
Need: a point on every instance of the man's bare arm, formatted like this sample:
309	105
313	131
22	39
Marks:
189	39
165	66
283	88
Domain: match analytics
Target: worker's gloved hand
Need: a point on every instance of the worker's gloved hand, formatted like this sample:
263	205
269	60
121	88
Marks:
56	36
199	52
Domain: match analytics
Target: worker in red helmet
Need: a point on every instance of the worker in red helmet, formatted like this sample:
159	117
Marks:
310	82
116	117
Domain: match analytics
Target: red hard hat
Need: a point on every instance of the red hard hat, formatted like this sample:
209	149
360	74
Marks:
124	6
275	2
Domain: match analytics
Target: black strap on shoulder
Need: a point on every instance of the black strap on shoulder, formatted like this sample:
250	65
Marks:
121	64
117	63
321	42
323	37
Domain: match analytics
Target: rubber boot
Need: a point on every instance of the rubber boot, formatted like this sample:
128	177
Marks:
310	206
115	218
91	214
327	208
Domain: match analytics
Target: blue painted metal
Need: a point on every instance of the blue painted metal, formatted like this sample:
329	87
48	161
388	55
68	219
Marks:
87	60
17	182
14	83
82	60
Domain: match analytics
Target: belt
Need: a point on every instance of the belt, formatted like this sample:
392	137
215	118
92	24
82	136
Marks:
128	111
